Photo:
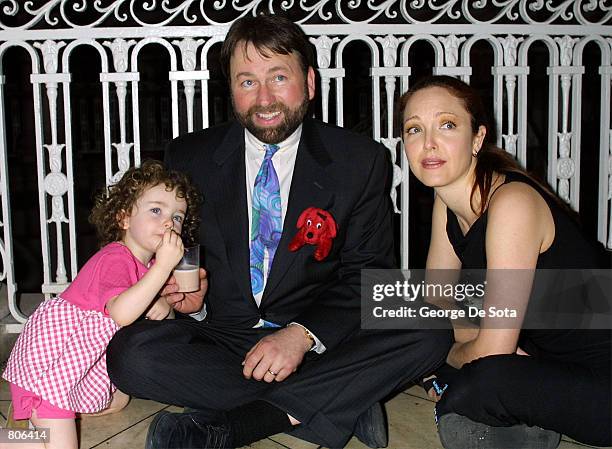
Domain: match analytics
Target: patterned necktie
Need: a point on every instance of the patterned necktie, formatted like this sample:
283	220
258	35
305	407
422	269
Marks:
266	221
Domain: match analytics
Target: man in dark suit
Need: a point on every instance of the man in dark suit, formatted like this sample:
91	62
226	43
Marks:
280	346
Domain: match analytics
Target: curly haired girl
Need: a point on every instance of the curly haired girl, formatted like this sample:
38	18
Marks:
58	365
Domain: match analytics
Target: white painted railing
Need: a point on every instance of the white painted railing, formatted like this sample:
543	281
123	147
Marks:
119	29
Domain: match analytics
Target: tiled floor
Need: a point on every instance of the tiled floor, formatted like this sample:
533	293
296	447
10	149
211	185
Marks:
411	426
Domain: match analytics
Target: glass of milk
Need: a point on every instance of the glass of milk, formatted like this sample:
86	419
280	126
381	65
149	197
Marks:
186	272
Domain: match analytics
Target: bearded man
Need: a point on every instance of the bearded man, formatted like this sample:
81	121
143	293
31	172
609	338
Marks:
275	343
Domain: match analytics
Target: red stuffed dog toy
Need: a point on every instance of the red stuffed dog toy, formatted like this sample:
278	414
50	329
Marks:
316	227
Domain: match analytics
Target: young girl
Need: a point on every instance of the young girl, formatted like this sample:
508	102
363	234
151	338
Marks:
509	384
58	365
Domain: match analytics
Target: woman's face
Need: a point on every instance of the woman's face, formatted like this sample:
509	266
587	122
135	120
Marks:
438	137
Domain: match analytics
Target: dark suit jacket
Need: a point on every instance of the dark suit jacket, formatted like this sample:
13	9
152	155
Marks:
336	170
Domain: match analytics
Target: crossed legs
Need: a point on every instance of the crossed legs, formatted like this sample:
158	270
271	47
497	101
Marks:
199	366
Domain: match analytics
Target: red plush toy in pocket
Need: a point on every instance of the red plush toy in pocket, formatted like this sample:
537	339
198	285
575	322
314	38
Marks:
316	227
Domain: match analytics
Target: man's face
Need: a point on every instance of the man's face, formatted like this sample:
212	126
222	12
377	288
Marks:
269	94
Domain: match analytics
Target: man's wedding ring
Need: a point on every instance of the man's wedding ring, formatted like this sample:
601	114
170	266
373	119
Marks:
272	372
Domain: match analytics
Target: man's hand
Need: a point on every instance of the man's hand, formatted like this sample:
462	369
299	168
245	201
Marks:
277	356
185	302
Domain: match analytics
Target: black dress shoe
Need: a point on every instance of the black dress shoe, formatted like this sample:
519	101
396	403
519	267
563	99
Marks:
371	427
459	432
186	430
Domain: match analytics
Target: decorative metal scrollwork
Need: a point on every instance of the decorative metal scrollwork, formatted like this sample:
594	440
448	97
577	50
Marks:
157	13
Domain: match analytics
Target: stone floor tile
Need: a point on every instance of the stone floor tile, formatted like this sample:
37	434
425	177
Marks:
132	437
4	405
292	442
568	443
269	444
5	394
411	424
94	429
354	443
417	390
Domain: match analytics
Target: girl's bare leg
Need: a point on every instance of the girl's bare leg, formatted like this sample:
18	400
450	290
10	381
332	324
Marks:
62	432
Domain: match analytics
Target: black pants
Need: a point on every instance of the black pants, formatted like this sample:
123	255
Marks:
504	390
198	365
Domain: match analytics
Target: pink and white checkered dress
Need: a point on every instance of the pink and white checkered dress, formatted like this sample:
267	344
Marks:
61	356
61	353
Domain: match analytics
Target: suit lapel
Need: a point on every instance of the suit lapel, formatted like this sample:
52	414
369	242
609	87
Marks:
231	205
310	186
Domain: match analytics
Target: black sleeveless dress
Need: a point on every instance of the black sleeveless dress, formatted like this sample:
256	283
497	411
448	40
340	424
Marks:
570	249
564	385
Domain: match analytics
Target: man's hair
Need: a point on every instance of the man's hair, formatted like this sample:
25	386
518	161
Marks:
119	199
268	34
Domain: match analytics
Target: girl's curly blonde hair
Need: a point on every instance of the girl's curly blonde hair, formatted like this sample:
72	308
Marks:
120	198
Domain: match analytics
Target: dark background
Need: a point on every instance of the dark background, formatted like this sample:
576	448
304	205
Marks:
155	130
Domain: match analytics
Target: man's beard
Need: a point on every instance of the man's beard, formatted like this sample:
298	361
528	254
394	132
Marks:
292	118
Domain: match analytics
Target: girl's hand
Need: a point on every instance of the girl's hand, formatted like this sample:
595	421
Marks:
159	310
170	250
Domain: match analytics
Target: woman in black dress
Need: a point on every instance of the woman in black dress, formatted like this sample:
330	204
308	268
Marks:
506	384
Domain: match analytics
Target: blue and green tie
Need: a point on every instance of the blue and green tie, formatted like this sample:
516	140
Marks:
266	220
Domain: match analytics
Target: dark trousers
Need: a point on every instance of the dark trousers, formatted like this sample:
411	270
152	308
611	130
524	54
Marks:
198	365
504	390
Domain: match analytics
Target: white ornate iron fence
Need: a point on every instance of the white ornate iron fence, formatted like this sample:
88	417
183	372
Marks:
49	31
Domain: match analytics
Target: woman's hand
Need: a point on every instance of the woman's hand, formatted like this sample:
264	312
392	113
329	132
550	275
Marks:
436	389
